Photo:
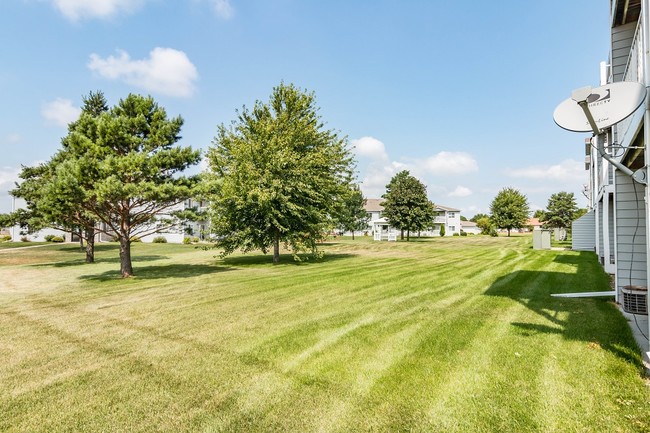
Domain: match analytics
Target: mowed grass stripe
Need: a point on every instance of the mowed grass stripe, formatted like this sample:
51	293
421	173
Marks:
446	334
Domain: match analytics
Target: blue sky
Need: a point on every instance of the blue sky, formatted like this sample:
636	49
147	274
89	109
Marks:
459	93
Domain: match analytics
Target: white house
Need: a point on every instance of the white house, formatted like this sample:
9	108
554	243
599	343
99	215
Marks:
446	217
174	234
470	227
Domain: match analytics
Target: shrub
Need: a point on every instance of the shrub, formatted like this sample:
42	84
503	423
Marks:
195	239
135	239
24	239
48	238
5	238
442	230
463	233
159	240
493	232
57	239
187	241
455	234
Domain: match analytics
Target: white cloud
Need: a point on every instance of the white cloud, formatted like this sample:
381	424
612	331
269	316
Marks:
223	8
449	163
370	147
60	112
460	191
567	170
8	177
377	177
166	71
75	10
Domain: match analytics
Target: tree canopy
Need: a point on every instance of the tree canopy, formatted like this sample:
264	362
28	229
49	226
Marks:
406	206
277	176
353	215
509	209
54	191
478	216
117	167
561	210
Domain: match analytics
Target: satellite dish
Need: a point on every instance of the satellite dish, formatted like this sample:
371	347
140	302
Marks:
608	104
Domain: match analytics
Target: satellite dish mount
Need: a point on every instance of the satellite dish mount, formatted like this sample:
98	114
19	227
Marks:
613	103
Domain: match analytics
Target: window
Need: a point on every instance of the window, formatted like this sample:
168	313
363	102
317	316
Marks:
452	214
452	228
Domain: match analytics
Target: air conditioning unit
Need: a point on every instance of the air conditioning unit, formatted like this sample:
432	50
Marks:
635	299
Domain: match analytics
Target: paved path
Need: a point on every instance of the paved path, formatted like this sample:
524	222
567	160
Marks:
8	250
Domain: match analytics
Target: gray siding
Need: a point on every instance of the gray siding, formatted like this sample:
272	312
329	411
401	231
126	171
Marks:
622	37
583	233
601	243
611	223
631	267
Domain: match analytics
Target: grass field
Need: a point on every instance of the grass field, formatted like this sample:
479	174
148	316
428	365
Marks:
449	335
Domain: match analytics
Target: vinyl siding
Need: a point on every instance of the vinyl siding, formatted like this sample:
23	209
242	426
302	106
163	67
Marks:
631	267
583	233
601	243
622	37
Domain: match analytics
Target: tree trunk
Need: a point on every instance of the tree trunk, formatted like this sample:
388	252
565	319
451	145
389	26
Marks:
276	249
81	241
126	268
90	244
402	234
508	232
408	235
352	234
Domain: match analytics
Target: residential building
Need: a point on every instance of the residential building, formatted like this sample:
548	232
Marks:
470	227
446	217
616	227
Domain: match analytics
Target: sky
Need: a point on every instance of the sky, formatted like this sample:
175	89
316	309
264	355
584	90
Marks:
461	94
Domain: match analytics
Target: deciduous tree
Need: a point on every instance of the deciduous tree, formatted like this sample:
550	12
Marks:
478	216
353	215
277	176
406	206
561	210
509	209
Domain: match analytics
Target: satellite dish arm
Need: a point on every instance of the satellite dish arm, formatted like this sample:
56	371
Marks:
585	107
580	96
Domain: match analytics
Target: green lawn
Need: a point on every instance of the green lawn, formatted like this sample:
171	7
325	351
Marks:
7	245
449	335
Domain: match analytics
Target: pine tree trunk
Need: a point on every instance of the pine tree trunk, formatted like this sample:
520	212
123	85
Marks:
126	268
90	244
276	249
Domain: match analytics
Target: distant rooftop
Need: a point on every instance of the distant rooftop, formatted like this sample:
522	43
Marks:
374	205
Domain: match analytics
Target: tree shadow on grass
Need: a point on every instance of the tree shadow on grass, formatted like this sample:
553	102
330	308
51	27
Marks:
159	272
99	247
285	259
81	262
594	321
